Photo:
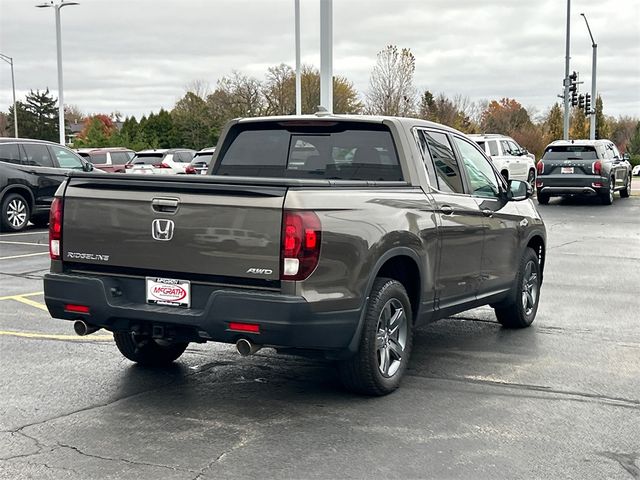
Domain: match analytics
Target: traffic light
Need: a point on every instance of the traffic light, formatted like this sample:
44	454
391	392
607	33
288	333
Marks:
574	94
573	88
581	102
587	104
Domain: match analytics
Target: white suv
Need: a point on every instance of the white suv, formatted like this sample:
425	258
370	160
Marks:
513	161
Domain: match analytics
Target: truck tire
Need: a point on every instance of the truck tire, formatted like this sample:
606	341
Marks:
385	344
626	191
520	309
543	199
146	350
15	213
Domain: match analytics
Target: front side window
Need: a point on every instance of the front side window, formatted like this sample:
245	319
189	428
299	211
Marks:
66	158
9	152
506	150
444	161
37	155
514	147
482	178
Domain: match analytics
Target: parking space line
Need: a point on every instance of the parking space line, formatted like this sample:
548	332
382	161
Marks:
11	297
23	243
25	233
25	255
32	303
47	336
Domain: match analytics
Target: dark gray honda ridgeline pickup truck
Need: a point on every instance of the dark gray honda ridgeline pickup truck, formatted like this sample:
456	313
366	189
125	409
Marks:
325	234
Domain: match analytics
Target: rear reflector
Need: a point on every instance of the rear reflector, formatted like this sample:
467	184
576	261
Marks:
244	327
76	308
540	167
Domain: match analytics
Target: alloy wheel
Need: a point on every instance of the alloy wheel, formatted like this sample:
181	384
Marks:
529	288
391	337
17	213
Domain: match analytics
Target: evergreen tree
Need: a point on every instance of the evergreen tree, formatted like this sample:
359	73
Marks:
603	129
37	116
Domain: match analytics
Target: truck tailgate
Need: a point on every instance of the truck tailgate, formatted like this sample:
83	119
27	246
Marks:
173	226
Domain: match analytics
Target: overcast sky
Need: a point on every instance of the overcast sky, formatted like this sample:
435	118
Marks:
136	56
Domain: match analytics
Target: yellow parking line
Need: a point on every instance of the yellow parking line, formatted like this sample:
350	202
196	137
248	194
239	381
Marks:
47	336
24	243
12	297
25	255
33	303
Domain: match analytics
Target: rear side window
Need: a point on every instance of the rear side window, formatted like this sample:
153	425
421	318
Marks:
570	152
37	155
98	158
493	148
119	158
444	161
312	150
9	152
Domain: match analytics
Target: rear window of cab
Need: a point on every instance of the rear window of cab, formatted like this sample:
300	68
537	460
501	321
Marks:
310	150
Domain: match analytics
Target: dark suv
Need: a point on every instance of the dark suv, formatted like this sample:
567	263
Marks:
30	173
583	167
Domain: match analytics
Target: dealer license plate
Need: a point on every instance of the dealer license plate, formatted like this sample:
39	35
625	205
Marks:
169	291
566	170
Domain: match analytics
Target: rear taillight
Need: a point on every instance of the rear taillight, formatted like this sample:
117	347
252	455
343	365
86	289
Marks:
162	165
300	251
596	167
189	169
55	229
540	167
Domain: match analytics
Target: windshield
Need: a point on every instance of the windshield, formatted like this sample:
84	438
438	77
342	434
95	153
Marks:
570	152
313	150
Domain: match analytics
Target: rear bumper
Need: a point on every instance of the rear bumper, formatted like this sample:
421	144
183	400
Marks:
556	185
117	303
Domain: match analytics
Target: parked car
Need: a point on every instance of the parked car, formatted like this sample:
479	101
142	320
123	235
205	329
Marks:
30	173
389	223
583	167
109	159
200	163
160	161
513	161
636	170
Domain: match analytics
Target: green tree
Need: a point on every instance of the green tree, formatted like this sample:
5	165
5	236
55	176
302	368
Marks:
553	123
192	121
37	116
159	129
441	109
634	144
579	126
603	129
97	132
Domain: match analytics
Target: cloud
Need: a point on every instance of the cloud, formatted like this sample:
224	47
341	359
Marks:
139	56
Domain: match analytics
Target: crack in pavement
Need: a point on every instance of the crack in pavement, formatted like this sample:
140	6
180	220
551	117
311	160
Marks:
569	394
244	441
124	460
626	461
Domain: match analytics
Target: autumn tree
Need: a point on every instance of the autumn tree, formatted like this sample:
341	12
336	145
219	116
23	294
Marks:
279	90
391	90
96	131
449	112
505	116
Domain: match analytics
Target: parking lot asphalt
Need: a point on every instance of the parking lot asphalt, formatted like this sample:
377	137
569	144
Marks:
558	400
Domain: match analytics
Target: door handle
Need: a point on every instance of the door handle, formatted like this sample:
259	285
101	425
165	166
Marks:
164	205
446	210
487	213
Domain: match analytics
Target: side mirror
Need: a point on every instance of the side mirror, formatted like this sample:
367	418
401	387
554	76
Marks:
87	167
519	190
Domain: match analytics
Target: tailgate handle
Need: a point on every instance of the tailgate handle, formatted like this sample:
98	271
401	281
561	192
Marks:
164	205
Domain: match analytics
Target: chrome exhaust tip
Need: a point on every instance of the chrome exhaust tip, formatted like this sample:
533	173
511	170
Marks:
246	348
81	328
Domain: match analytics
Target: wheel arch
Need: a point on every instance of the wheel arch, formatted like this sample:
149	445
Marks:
22	190
536	242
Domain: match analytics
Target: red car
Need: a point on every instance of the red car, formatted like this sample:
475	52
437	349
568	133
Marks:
109	159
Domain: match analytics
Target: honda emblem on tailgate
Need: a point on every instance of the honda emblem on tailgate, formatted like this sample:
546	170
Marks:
162	230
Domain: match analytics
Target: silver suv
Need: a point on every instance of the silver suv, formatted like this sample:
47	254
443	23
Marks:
513	161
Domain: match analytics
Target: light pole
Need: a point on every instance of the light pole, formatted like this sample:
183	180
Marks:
326	54
592	120
57	7
567	81
298	77
9	60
